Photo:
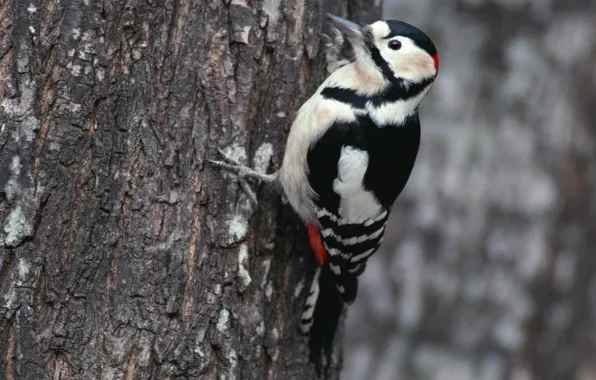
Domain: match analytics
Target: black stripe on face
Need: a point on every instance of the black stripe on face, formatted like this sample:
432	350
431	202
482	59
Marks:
397	28
377	58
375	54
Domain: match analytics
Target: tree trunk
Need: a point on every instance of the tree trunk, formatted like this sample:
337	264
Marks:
124	256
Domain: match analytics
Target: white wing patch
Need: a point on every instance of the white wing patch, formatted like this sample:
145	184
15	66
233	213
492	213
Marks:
356	202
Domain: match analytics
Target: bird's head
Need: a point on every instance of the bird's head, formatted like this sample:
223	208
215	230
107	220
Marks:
393	49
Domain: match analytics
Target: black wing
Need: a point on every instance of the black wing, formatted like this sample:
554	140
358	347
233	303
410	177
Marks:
391	151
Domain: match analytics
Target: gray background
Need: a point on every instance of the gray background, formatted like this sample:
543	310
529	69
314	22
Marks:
487	271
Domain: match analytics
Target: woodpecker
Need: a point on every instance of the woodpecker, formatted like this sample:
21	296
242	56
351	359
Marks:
349	154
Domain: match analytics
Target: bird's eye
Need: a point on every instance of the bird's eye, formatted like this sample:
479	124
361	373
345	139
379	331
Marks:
394	45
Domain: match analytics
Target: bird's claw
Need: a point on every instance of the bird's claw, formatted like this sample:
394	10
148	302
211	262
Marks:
229	163
236	169
239	170
228	158
249	193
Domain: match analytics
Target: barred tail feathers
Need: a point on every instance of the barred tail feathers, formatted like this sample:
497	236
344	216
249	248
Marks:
348	246
321	316
309	306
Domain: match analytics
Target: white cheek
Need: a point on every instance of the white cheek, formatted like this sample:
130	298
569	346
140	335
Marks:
410	62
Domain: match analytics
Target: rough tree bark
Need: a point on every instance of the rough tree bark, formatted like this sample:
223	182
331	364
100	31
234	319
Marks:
124	256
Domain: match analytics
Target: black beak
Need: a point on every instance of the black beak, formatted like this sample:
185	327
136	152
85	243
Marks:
349	28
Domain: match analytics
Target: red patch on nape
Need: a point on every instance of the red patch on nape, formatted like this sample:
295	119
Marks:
316	243
436	59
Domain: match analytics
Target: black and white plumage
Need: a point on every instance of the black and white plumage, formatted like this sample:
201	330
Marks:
349	154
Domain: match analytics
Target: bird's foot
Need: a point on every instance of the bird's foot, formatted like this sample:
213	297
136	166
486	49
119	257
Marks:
242	172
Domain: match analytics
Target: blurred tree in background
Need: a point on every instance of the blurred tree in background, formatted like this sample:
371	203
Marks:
488	270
